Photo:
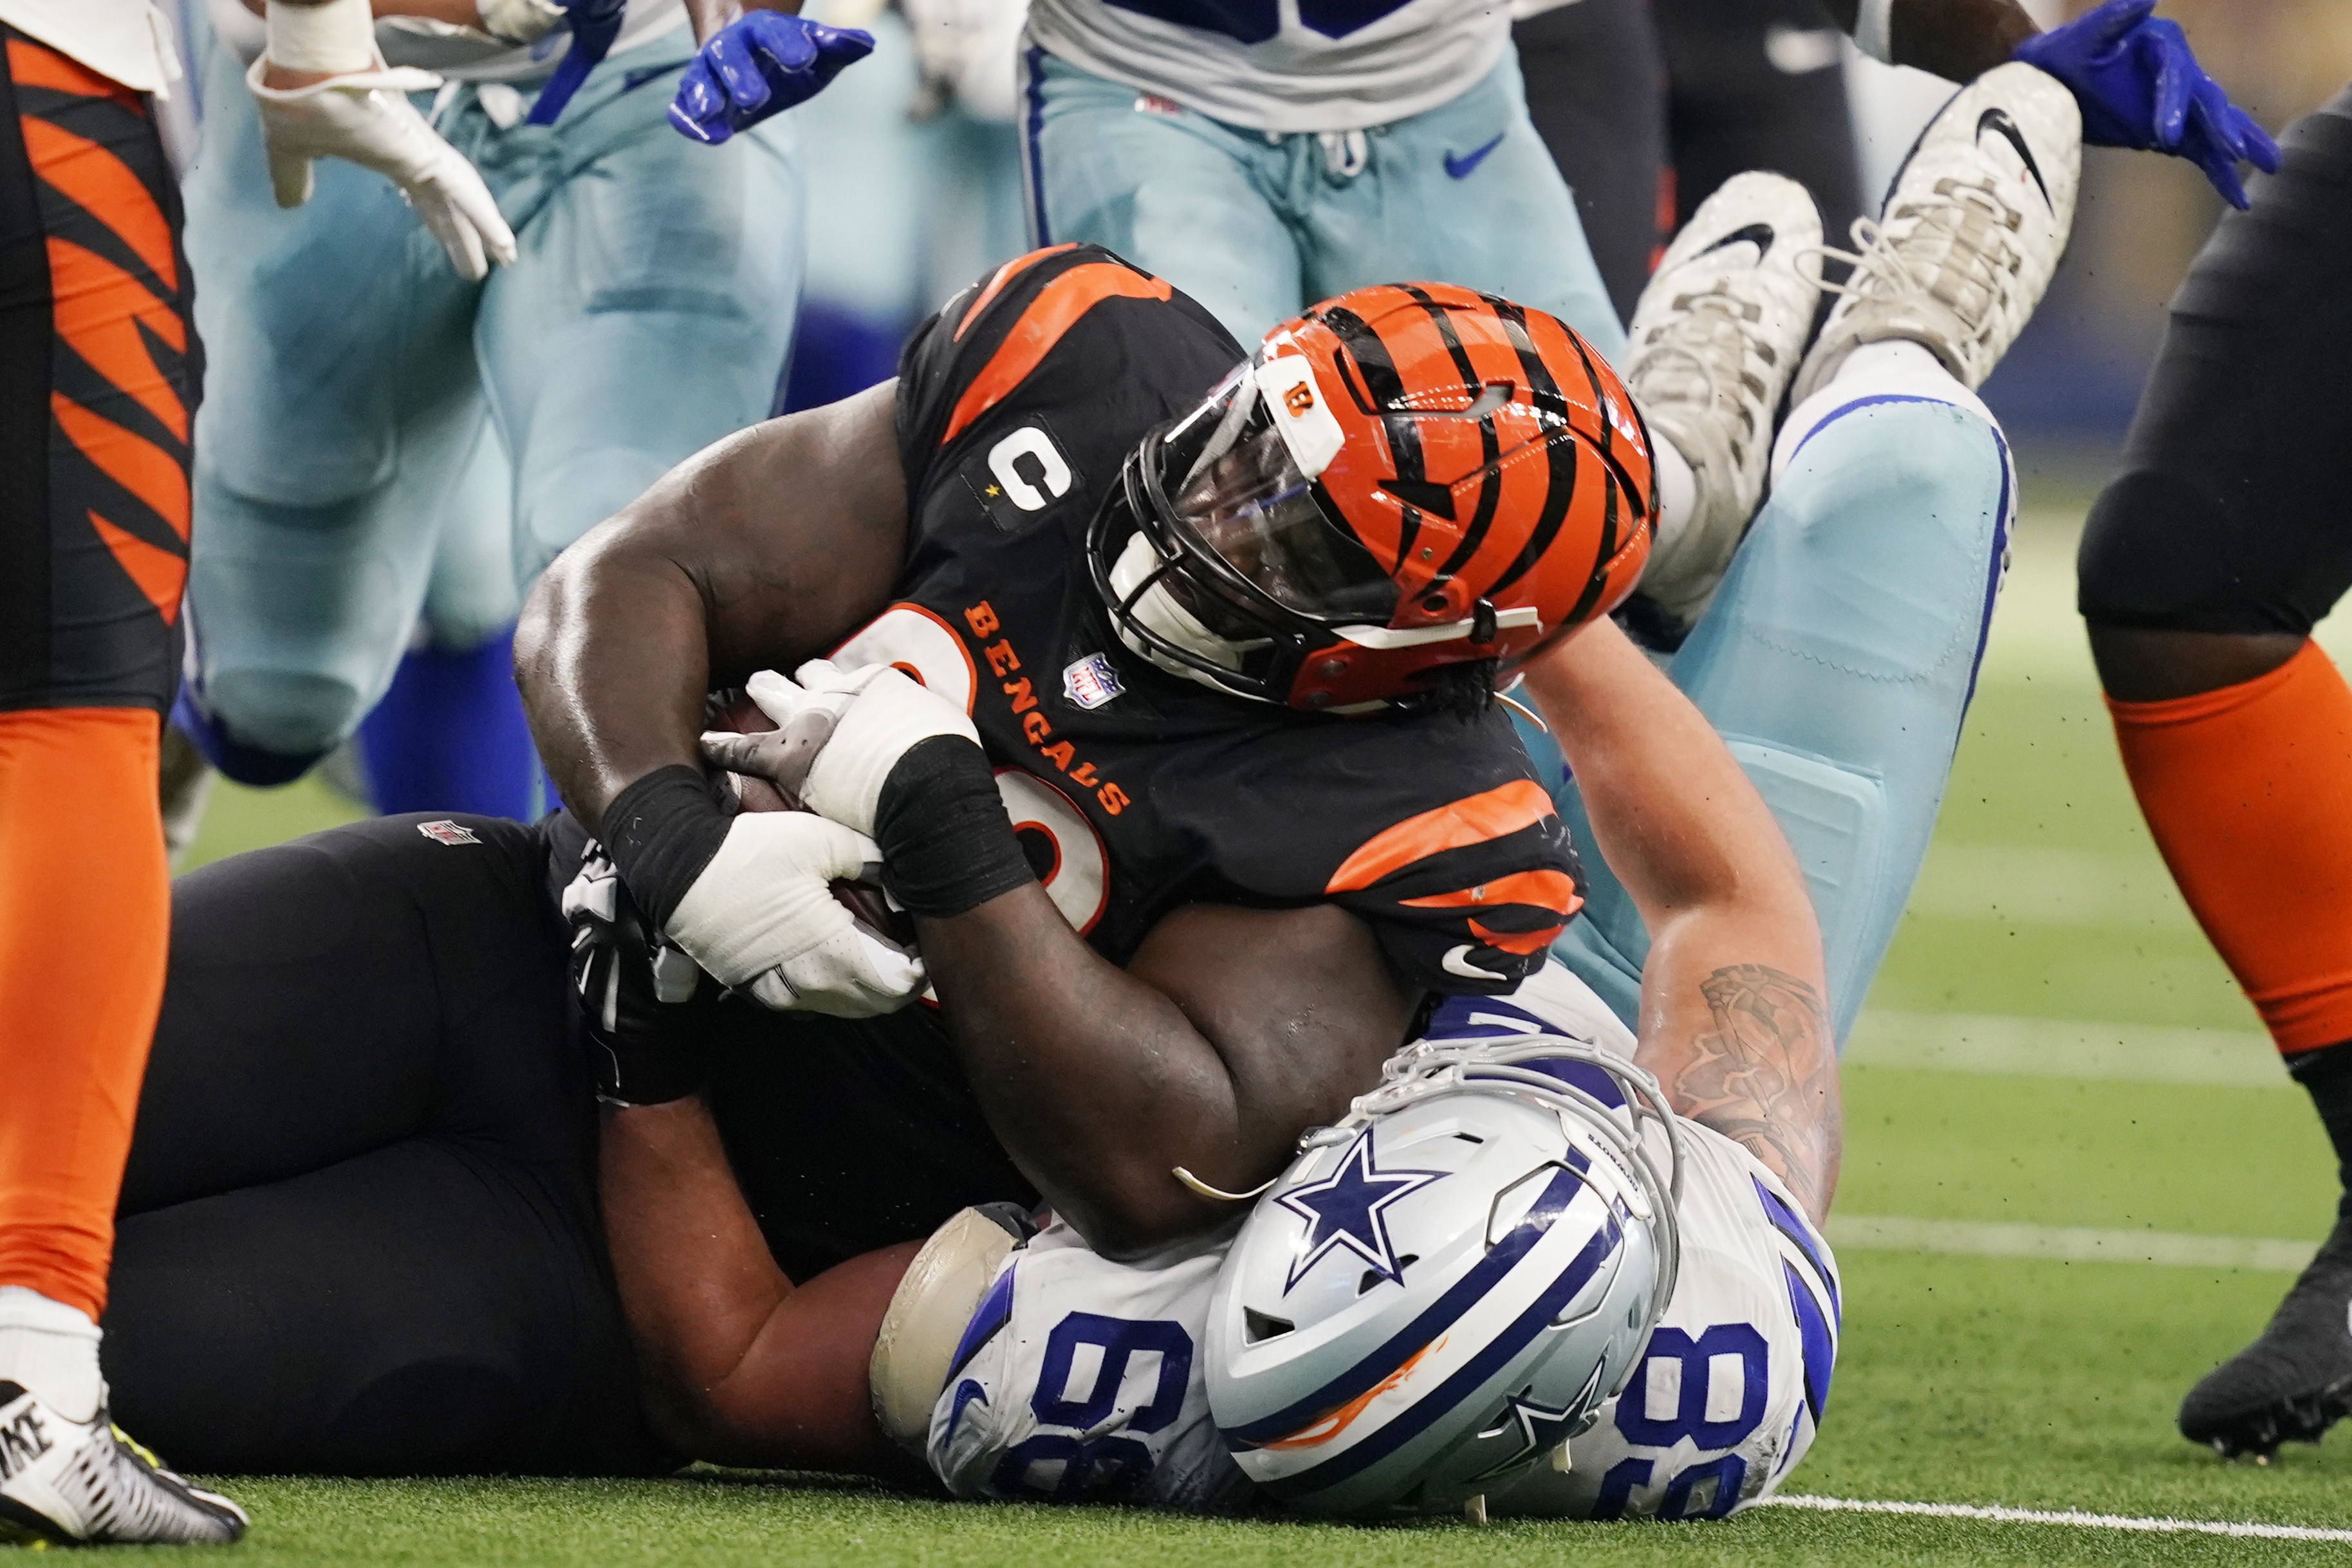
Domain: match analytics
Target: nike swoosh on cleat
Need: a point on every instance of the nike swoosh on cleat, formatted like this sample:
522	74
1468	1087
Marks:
1757	235
1997	119
1460	168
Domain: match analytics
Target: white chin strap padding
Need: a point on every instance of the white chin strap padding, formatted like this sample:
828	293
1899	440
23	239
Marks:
1160	612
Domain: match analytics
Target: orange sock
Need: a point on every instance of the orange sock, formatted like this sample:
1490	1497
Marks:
85	916
2248	790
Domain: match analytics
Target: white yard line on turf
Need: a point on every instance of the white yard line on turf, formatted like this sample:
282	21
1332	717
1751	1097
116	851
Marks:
2075	1244
2067	1048
2041	1516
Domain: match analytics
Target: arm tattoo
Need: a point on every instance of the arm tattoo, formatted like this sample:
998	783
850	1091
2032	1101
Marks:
1766	1076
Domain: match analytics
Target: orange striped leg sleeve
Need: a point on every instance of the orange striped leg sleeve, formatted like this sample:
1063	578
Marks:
2248	790
85	910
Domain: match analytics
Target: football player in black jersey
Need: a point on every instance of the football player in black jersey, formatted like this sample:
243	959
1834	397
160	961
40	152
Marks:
1222	630
414	1202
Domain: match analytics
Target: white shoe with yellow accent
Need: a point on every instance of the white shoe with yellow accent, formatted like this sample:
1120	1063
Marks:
87	1483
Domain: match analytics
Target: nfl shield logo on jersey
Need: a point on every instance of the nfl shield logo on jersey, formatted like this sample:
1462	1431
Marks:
1091	682
448	832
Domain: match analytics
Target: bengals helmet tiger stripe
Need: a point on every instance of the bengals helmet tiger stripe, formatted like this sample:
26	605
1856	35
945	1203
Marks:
1409	476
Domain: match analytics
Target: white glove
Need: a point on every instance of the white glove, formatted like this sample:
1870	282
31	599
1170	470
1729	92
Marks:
839	733
361	115
762	916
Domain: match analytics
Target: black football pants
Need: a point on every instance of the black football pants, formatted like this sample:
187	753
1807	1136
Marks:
359	1232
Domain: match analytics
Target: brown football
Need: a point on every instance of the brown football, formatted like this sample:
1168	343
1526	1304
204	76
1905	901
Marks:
863	899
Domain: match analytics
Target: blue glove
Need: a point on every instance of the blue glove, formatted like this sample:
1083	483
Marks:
2139	87
760	65
595	25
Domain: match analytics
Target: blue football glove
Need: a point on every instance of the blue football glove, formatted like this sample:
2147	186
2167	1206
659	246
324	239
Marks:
595	25
2140	87
760	65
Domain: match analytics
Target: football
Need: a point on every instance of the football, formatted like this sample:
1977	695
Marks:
863	899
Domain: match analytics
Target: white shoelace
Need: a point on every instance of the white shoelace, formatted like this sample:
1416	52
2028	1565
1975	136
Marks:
1964	244
1706	362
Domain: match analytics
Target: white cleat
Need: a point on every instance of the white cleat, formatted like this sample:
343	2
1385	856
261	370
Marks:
1715	340
86	1483
1972	231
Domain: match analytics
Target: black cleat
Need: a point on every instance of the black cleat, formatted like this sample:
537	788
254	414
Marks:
2295	1381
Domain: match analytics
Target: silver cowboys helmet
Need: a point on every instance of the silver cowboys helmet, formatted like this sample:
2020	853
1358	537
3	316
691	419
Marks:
1446	1286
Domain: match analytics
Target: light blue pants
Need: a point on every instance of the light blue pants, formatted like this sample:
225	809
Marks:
1837	663
353	373
1258	226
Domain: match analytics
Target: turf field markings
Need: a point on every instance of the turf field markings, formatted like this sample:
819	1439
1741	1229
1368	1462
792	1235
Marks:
2066	1243
2067	1517
2067	1048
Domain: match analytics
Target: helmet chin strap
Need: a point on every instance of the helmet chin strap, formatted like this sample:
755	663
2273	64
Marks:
1158	610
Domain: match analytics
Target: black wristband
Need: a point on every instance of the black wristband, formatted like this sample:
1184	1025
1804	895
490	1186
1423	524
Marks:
947	844
661	831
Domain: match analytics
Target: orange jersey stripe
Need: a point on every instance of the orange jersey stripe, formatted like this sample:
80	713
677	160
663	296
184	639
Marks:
103	186
1056	308
1519	942
1472	821
97	307
1544	889
1005	274
137	464
160	574
32	64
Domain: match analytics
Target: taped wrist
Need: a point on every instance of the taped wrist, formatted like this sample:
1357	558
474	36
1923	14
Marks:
947	844
336	38
661	831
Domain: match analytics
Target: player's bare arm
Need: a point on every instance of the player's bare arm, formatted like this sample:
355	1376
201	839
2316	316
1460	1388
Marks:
1098	1081
1956	39
1733	1021
740	1365
768	548
1233	1031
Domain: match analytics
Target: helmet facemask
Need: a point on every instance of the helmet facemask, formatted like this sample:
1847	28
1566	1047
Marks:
1235	570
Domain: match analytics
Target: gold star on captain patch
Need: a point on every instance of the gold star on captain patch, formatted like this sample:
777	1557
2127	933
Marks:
992	492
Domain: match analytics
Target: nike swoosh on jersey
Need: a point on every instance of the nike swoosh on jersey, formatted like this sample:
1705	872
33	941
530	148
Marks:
1460	168
1457	962
1997	119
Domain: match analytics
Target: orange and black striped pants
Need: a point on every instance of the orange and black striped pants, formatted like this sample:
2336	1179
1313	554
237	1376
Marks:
98	376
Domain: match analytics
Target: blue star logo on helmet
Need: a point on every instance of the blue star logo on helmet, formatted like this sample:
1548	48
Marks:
1348	1209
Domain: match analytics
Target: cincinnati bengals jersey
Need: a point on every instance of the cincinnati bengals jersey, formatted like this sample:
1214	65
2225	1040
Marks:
1135	790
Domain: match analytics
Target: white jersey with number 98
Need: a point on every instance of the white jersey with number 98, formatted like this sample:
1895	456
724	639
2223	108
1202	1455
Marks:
1080	1379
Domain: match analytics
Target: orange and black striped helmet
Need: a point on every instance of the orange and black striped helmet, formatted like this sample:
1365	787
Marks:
1408	476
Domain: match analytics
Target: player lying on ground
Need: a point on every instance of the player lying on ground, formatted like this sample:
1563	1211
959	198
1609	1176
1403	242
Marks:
408	1189
1839	658
1355	863
1235	651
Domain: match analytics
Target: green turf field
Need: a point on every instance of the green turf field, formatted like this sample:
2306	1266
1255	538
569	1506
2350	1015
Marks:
2055	1084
